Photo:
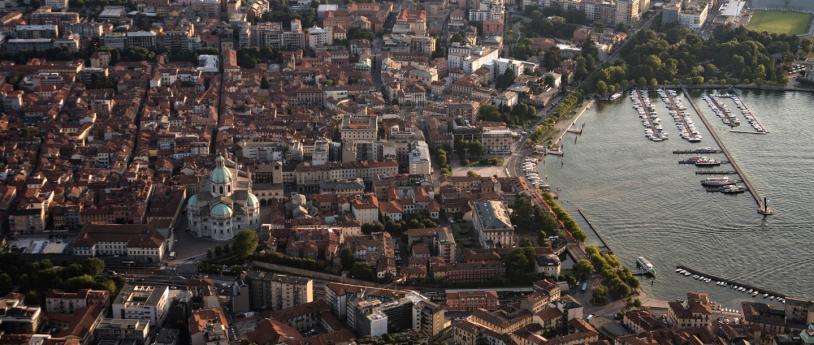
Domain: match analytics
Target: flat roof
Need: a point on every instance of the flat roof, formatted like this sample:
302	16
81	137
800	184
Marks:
732	8
39	246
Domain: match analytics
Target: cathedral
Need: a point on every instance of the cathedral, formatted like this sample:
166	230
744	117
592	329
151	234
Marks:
224	204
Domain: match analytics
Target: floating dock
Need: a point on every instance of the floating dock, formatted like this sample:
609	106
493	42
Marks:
748	114
678	112
688	161
696	151
762	208
731	282
716	172
747	132
726	116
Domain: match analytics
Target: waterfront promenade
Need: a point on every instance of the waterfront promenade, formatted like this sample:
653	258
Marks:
738	86
563	126
761	206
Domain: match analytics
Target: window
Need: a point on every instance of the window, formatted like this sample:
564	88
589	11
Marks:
221	189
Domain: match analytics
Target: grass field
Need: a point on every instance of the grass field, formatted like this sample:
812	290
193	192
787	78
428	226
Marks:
780	22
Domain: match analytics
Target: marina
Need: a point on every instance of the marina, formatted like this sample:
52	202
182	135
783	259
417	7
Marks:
750	117
720	109
725	236
684	124
728	283
653	128
762	207
529	167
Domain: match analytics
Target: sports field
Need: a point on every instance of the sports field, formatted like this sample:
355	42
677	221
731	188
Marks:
779	22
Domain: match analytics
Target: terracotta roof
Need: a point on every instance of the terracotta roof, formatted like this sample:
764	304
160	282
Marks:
136	235
200	318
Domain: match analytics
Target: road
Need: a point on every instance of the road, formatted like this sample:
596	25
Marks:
617	52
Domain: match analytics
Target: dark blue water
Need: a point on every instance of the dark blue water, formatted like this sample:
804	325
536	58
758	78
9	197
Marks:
644	203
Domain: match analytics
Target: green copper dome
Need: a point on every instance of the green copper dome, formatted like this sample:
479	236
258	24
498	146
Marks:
252	202
193	201
220	175
221	211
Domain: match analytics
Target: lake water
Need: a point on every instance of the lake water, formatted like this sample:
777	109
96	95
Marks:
645	204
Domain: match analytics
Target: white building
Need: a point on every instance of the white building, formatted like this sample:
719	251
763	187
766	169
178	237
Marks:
506	99
139	242
693	14
224	204
365	208
491	222
322	152
469	58
319	37
420	163
142	302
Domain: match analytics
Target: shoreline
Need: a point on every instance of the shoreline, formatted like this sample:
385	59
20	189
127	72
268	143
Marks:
662	290
563	130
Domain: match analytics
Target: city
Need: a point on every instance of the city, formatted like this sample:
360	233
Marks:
217	172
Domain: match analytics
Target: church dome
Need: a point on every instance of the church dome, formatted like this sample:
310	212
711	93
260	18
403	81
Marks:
221	211
252	202
221	174
193	202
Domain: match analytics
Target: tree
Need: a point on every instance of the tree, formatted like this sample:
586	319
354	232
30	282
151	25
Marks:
552	59
5	282
32	298
601	87
549	80
346	258
80	282
806	46
520	265
218	251
471	173
370	228
362	271
247	57
599	295
618	288
94	266
207	51
583	269
506	79
245	243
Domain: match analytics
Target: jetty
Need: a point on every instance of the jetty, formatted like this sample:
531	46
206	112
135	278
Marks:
567	128
731	282
585	221
762	208
577	131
